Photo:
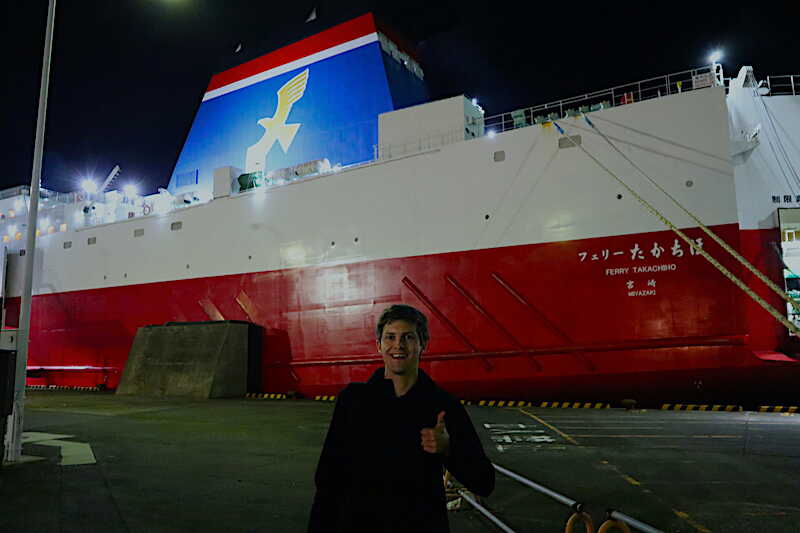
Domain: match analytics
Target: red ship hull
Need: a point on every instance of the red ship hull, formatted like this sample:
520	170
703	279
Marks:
547	321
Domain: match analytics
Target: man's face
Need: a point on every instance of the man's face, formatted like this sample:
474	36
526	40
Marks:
401	347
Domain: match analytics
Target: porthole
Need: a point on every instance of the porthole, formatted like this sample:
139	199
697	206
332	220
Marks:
499	156
689	183
67	244
91	240
619	197
138	232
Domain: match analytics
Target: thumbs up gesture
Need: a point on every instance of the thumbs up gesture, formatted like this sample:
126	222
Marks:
436	439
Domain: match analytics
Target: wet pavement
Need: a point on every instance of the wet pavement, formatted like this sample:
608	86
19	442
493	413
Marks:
124	464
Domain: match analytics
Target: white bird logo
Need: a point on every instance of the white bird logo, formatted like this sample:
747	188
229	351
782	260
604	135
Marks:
276	128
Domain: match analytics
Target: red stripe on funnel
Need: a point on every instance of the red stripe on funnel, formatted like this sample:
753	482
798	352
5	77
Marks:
347	31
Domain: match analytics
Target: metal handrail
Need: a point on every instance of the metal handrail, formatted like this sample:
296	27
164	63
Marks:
576	506
788	84
637	91
641	526
560	498
432	141
484	511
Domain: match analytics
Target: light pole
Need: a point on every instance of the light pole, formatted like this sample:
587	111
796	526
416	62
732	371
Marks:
14	450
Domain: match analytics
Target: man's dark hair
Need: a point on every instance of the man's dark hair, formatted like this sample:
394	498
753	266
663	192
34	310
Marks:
410	314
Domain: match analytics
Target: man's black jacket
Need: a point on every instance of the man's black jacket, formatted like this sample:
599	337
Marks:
373	474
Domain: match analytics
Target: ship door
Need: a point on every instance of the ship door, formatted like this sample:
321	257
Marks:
789	220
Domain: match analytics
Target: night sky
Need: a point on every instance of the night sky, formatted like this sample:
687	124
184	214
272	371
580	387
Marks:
127	75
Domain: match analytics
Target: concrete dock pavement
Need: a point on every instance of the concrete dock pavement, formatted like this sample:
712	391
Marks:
243	465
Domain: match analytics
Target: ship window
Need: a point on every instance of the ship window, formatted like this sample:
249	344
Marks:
175	226
138	232
63	227
67	244
6	238
499	156
569	142
91	240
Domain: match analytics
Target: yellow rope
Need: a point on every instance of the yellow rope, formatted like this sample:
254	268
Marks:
707	230
727	273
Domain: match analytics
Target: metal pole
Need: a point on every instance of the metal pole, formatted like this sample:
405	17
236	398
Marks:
485	512
641	526
535	486
15	440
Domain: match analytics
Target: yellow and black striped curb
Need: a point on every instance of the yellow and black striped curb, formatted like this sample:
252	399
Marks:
265	396
325	398
509	403
777	409
559	405
62	387
497	403
700	407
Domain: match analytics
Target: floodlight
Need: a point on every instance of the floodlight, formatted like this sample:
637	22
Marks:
715	56
130	190
89	186
491	134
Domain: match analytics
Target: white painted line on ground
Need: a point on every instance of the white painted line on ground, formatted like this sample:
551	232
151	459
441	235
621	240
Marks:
72	453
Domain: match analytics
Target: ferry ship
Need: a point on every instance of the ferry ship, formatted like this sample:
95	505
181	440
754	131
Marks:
318	185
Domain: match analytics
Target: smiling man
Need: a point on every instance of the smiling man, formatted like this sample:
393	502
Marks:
391	438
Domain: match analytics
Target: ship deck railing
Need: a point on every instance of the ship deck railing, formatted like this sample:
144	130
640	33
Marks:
784	85
428	142
629	93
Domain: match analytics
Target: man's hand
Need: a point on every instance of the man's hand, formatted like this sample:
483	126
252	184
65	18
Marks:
436	439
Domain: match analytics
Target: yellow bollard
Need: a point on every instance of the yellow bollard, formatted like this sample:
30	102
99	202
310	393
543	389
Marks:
608	524
582	517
